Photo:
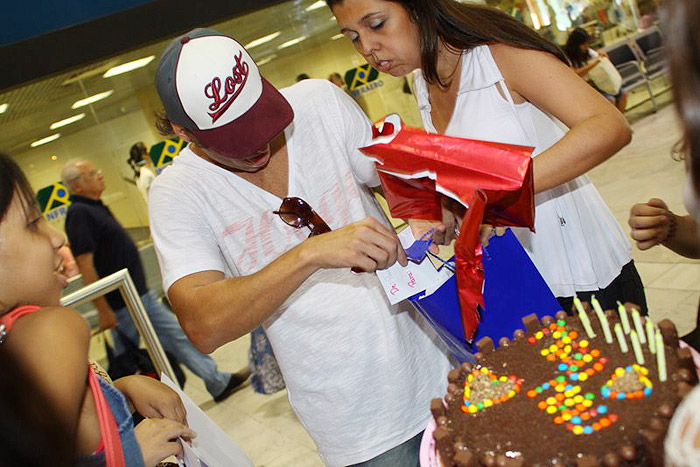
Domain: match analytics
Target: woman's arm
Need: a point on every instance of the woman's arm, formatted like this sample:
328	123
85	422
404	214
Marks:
583	71
151	398
52	345
597	130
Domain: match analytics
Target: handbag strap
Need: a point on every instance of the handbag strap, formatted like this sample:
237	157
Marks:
8	319
109	432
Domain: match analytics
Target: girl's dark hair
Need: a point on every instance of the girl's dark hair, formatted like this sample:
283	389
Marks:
13	180
32	432
572	48
683	43
135	155
137	151
463	26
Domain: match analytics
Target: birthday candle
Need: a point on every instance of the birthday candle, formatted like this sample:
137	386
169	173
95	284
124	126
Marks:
623	317
585	322
650	336
638	326
603	320
660	356
621	338
637	347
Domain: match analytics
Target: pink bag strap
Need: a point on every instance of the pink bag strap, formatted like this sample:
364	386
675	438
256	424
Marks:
109	432
8	319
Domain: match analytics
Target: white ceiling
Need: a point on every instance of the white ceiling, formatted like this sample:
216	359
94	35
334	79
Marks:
34	107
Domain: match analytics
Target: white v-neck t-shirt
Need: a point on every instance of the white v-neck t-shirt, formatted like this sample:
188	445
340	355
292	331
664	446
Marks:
360	373
578	244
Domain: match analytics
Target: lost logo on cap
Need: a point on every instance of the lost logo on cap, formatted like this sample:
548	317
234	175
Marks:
215	91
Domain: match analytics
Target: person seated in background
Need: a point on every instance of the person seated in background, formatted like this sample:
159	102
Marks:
102	247
584	59
51	344
302	77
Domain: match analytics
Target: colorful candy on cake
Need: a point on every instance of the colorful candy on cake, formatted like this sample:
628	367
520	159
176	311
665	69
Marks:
596	389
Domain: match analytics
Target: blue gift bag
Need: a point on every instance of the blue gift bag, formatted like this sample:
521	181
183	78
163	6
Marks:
513	288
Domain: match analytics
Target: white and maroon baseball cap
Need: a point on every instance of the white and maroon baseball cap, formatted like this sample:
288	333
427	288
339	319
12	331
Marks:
210	85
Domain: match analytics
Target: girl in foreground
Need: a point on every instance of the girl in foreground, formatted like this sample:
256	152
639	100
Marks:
483	75
51	344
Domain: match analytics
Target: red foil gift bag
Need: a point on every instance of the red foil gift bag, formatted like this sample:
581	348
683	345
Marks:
493	181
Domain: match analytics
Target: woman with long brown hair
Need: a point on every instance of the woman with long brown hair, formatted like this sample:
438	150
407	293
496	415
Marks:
483	75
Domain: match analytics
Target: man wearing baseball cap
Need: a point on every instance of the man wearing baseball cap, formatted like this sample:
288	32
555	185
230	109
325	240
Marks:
359	372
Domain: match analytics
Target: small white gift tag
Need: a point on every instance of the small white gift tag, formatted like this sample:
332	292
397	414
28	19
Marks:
401	282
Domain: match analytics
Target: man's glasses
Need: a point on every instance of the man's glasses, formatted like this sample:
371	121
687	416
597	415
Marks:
297	213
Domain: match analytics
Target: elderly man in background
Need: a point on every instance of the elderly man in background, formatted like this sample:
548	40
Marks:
101	247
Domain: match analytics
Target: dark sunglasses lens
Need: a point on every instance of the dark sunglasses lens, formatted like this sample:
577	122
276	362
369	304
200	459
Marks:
298	206
291	218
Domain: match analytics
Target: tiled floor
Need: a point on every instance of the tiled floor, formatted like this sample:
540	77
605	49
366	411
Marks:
266	428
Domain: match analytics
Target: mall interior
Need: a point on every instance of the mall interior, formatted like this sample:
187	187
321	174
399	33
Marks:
82	85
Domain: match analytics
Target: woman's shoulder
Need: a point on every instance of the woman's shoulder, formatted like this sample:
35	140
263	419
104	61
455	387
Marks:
51	324
514	60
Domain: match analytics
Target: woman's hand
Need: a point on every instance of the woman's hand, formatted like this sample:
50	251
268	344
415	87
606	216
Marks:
486	231
445	231
651	223
159	439
151	398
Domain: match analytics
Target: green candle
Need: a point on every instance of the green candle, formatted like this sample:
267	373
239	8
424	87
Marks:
603	320
623	317
660	356
585	322
621	338
651	339
637	320
637	347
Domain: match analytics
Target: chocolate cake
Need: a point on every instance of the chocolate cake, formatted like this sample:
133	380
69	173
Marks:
555	396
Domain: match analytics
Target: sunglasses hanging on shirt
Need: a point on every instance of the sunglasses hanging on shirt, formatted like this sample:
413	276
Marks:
297	213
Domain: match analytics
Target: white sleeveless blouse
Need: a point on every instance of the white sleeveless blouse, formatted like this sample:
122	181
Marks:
578	244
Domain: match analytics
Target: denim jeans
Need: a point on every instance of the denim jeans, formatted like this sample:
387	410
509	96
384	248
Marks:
173	340
404	455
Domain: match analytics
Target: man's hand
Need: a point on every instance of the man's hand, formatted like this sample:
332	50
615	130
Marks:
651	223
367	244
151	398
106	319
158	439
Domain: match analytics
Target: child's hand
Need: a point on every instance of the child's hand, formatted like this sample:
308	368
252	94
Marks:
151	398
651	223
159	439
